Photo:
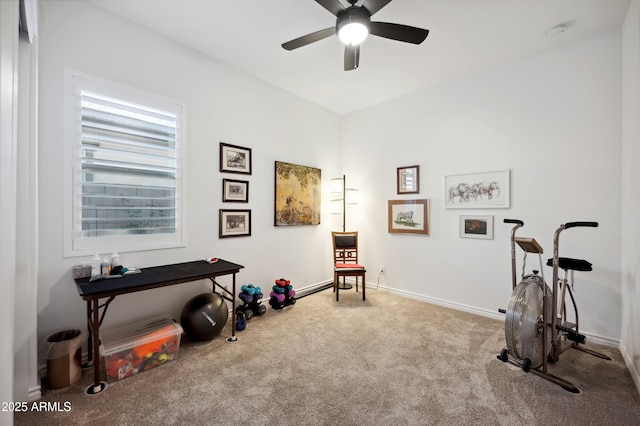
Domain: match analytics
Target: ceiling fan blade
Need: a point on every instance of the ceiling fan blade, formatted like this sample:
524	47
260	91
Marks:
351	57
309	38
375	5
398	32
333	6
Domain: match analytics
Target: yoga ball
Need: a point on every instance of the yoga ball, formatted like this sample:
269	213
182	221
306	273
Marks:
204	316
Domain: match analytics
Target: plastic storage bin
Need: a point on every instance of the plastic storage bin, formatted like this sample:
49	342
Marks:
139	347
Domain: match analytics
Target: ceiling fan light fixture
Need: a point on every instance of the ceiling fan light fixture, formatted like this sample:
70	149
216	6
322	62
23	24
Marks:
352	26
353	33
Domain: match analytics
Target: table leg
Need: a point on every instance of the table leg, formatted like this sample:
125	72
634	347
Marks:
97	386
90	338
233	337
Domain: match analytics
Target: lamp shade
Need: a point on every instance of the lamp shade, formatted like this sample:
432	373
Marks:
351	196
336	186
336	206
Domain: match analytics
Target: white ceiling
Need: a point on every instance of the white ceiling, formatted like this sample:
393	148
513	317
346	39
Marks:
465	36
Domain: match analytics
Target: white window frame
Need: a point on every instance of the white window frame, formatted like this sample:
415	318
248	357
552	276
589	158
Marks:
74	243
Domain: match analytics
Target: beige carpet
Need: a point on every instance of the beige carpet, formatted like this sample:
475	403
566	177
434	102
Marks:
386	361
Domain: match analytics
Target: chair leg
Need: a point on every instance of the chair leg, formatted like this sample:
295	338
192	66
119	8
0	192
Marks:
336	284
363	285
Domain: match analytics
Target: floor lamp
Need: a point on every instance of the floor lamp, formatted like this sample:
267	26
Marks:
340	197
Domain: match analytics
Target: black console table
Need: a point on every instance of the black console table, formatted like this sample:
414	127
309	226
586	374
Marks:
149	278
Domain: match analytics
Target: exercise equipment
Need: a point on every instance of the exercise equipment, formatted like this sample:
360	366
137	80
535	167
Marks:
537	325
251	297
204	316
282	294
241	321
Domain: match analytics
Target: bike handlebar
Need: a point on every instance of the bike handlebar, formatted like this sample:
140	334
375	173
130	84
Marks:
516	221
576	224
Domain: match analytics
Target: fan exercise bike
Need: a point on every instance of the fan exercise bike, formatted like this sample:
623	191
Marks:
538	327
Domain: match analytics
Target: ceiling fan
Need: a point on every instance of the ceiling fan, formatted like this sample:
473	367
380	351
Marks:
353	24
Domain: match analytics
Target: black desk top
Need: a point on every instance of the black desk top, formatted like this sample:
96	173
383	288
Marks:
156	276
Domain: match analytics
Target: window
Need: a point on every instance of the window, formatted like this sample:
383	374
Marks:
125	174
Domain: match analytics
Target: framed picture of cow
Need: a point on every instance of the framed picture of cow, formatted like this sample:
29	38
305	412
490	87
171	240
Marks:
409	217
486	190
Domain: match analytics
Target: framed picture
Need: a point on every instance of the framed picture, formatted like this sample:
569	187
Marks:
297	195
476	227
235	190
235	159
409	216
477	190
408	180
235	223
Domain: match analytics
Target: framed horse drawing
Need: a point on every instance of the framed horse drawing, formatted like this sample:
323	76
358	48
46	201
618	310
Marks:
409	216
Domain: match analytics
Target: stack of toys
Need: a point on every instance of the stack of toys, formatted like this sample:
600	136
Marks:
282	294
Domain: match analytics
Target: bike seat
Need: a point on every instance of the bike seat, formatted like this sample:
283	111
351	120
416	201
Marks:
567	263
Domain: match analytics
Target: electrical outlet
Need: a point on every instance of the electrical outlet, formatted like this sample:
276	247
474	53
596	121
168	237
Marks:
382	269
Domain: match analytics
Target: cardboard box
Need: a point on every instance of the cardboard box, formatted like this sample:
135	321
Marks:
139	347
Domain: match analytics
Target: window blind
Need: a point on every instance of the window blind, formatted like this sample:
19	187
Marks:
129	168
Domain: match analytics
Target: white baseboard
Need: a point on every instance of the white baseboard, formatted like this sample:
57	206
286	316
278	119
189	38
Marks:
444	303
312	288
633	371
34	393
601	340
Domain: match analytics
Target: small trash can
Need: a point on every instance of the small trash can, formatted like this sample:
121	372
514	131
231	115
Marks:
64	358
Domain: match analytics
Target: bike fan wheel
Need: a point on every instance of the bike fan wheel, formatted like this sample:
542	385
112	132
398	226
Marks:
524	323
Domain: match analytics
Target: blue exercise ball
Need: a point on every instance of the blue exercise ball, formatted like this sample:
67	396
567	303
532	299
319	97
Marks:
204	316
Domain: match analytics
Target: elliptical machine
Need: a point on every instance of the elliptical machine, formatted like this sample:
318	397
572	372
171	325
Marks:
537	329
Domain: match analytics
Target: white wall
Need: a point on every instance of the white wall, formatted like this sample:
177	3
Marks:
223	105
8	182
554	120
27	378
630	341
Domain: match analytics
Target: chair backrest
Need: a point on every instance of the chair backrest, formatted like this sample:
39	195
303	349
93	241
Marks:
345	247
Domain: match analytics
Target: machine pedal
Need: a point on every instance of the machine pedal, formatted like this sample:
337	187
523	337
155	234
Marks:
571	333
576	337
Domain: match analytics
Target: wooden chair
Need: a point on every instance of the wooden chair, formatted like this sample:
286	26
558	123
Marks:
345	260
